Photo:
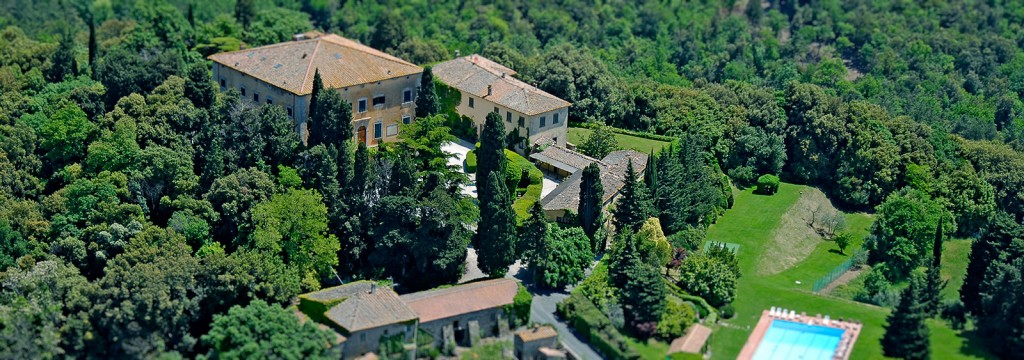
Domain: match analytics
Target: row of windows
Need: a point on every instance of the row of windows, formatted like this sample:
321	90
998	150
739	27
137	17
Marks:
256	98
392	130
380	100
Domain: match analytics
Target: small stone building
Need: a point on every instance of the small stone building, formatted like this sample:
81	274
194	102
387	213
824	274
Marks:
566	196
363	313
694	342
463	314
529	342
560	161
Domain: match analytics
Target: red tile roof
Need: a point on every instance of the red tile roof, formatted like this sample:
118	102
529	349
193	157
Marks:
461	299
342	62
473	74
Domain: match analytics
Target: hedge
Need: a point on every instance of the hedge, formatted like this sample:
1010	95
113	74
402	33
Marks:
712	313
523	204
595	327
520	308
471	162
639	134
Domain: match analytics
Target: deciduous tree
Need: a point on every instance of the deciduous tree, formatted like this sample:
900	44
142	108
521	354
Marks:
263	330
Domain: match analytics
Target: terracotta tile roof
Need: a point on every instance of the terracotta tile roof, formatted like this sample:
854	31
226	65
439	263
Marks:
363	306
562	158
472	74
693	342
613	175
291	65
543	332
461	299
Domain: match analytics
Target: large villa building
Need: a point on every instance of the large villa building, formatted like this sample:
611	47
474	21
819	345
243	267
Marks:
485	86
381	88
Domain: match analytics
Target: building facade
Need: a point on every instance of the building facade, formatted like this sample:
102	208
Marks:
381	88
539	118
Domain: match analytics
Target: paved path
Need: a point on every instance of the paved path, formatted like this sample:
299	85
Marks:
542	311
460	148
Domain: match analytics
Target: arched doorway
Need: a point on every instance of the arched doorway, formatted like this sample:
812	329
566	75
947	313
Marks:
361	134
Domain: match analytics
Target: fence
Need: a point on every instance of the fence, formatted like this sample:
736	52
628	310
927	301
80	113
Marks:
824	281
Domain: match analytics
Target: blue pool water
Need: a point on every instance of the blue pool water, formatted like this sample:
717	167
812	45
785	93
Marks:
794	341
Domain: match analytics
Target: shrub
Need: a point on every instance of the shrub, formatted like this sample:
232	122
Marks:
520	310
767	184
728	311
691	238
471	162
675	319
593	326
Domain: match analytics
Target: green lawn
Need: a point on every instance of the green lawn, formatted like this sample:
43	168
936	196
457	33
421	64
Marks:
488	351
577	135
751	223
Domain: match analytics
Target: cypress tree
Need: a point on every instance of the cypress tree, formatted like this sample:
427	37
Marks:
360	173
933	283
533	240
634	205
984	252
426	99
318	86
63	60
906	335
491	154
497	227
92	46
591	205
245	11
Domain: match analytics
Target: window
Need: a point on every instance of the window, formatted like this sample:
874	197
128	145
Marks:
470	101
243	91
543	121
377	129
223	84
554	118
289	108
362	105
270	101
407	96
256	97
496	111
521	121
378	100
392	130
406	119
508	116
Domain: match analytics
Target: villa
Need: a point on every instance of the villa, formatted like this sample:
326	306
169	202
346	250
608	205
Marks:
381	88
537	117
565	198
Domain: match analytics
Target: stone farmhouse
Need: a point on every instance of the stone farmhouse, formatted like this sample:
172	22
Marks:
565	197
381	88
539	118
363	314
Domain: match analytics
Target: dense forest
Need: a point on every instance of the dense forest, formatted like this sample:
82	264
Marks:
137	202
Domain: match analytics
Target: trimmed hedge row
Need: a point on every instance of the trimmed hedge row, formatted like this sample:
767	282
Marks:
526	197
639	134
471	162
595	327
712	313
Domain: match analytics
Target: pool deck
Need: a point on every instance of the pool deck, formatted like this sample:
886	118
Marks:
850	333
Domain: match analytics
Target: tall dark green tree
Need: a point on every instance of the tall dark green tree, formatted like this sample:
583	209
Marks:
63	60
389	31
318	87
634	205
92	46
245	12
496	230
1001	317
198	87
932	292
906	334
532	242
688	189
984	252
491	154
426	99
591	206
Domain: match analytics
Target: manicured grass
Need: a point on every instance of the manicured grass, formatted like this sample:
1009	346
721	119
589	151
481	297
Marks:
649	350
955	253
646	146
751	224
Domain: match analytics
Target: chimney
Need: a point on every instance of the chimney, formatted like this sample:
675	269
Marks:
373	287
488	90
502	75
456	53
299	37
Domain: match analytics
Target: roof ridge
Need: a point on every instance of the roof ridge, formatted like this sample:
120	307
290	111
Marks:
375	52
311	57
274	45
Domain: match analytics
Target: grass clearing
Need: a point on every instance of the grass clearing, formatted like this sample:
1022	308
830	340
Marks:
793	240
752	223
955	256
646	146
487	351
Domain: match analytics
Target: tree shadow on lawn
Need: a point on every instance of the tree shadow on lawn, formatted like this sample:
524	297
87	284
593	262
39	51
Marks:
976	345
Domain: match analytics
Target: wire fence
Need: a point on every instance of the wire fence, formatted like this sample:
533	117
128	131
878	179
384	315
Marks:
824	281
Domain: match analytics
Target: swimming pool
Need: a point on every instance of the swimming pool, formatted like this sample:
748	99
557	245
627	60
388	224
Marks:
790	340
